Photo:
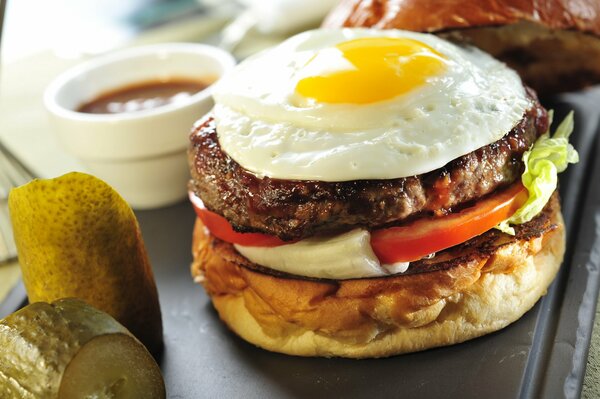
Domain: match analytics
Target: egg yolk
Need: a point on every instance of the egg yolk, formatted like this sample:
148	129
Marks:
383	69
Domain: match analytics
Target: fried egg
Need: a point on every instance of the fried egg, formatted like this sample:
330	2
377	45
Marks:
352	104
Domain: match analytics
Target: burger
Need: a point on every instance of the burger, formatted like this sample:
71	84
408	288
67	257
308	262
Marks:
553	44
365	193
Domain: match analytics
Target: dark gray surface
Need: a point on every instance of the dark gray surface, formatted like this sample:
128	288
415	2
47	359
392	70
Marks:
554	358
570	344
13	301
541	355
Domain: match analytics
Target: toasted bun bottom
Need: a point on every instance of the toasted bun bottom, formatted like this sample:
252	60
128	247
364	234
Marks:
382	316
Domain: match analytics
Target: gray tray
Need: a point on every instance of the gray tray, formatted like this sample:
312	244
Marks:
541	355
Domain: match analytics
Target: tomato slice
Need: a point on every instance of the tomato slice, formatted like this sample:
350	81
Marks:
397	244
222	229
425	236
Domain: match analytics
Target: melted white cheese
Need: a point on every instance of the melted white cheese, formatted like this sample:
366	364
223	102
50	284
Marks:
340	257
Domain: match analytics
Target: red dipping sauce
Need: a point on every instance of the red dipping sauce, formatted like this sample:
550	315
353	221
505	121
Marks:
144	95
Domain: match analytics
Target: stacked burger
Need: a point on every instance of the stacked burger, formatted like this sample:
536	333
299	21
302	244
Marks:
365	193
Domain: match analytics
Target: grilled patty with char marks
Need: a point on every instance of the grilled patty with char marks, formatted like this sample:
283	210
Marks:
293	210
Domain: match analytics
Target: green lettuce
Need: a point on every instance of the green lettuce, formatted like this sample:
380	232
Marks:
548	157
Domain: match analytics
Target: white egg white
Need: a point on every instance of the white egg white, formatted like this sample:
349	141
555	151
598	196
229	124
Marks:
272	131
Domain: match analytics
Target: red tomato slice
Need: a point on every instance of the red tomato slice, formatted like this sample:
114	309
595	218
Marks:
425	236
397	244
221	228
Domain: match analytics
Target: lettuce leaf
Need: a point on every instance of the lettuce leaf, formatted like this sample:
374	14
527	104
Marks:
546	158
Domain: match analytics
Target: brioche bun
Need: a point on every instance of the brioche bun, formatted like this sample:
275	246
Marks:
483	289
554	44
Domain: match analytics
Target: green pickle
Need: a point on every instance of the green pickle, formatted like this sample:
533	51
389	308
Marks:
77	238
68	349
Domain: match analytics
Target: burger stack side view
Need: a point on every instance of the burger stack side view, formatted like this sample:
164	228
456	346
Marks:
365	193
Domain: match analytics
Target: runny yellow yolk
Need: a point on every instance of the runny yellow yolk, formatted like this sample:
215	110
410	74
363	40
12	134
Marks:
384	68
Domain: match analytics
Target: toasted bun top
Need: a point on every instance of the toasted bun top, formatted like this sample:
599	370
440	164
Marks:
554	45
436	15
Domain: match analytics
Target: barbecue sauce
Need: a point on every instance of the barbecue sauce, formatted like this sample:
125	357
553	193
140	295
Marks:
143	96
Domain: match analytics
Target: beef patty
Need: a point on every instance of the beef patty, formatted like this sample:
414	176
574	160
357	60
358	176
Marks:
292	209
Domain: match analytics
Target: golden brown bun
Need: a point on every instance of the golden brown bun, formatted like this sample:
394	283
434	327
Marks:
553	44
381	316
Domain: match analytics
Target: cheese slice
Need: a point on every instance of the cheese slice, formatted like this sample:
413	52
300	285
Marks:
344	256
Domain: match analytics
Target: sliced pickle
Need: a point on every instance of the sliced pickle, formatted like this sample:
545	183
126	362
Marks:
69	349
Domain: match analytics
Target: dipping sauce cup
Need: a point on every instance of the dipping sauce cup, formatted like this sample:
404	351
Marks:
140	150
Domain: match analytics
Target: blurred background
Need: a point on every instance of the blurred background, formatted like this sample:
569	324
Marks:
41	39
75	28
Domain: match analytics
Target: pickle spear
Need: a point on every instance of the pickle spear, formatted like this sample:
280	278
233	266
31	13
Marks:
68	349
76	237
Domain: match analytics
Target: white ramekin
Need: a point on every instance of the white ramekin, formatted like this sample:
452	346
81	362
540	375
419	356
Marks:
141	154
